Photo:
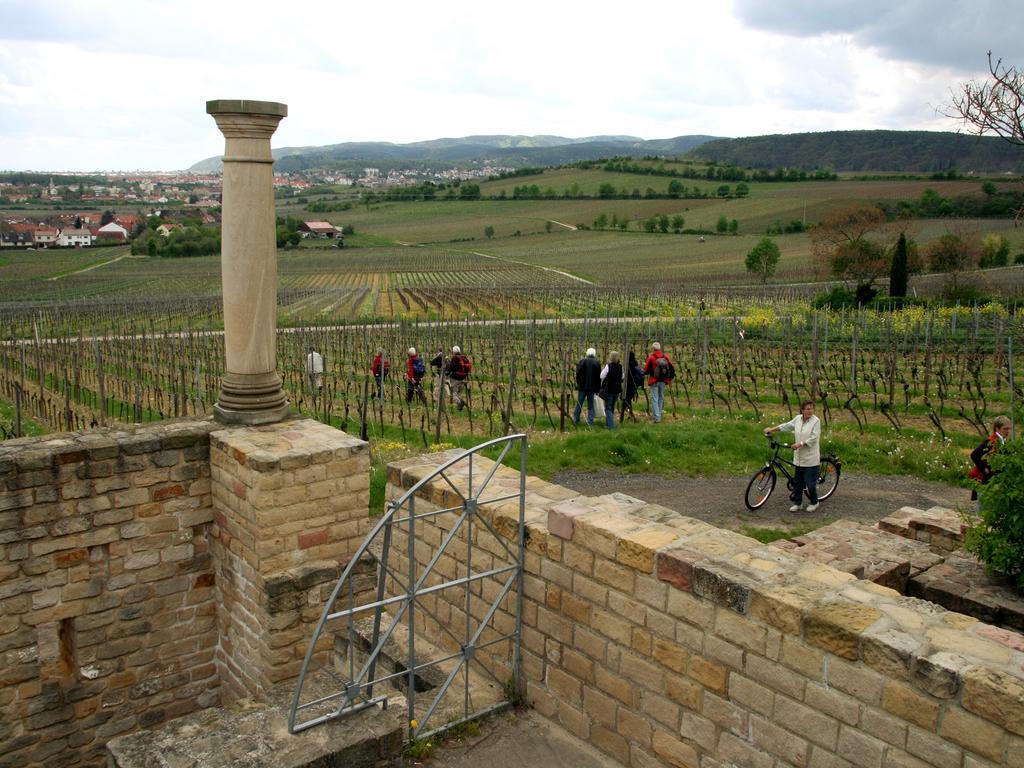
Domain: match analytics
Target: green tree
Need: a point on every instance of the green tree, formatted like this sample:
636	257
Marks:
601	221
489	231
998	539
606	191
678	222
722	224
723	190
675	188
547	226
989	189
995	251
651	224
663	223
742	189
734	226
763	258
898	270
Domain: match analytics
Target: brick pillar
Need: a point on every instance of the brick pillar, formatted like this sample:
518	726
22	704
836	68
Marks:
290	507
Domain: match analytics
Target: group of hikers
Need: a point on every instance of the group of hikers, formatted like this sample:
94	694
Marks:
602	387
453	369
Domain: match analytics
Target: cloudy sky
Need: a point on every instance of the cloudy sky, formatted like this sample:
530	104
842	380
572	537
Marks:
122	84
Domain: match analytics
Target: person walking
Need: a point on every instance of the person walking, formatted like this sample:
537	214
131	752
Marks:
634	384
314	371
458	369
611	387
415	370
660	372
588	382
981	472
806	429
437	369
380	369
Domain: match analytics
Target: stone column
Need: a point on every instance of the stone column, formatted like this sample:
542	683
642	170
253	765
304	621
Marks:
250	390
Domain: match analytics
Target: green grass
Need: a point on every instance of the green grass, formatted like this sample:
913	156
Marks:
29	427
768	535
717	447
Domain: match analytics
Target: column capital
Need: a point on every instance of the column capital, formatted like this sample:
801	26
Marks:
246	107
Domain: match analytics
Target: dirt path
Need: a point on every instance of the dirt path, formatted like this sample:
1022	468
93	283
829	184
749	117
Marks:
719	500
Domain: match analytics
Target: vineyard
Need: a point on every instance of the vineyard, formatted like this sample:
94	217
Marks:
948	372
99	336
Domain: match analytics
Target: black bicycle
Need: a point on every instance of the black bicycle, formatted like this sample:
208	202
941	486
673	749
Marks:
763	482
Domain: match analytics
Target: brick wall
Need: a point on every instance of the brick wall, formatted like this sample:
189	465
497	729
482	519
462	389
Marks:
666	641
145	575
107	611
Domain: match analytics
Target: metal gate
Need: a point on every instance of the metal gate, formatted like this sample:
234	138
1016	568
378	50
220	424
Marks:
355	682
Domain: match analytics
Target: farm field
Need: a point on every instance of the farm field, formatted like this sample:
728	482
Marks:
136	339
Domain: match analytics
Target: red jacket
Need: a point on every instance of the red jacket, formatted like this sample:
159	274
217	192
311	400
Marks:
375	368
410	374
649	365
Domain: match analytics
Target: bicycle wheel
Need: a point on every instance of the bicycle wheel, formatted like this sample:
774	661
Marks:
760	488
828	478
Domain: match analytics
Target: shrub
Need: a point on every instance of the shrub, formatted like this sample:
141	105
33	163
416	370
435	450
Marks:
998	539
837	298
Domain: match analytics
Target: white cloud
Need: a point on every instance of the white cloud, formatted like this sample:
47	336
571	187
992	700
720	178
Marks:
91	83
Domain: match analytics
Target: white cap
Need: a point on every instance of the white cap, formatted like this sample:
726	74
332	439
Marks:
456	350
591	352
412	351
656	345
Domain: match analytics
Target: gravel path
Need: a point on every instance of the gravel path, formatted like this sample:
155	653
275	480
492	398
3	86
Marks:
719	500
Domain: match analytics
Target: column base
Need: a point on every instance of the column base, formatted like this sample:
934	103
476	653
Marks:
251	398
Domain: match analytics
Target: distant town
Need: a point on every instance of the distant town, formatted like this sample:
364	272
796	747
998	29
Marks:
77	210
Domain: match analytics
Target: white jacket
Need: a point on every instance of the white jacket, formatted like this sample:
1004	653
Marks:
805	432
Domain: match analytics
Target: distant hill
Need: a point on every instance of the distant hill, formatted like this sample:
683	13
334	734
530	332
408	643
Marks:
513	151
897	151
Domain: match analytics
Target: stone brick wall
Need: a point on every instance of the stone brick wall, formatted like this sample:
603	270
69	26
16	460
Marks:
107	611
291	507
151	572
666	641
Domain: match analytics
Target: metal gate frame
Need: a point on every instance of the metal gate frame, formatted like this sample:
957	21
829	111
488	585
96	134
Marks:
357	690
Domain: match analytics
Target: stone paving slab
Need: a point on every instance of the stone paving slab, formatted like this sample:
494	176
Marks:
866	552
962	584
520	740
254	734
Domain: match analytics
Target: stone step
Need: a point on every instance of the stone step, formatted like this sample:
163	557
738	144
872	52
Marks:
866	552
963	585
254	734
941	528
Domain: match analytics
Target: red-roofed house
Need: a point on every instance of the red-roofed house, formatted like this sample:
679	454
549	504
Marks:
319	229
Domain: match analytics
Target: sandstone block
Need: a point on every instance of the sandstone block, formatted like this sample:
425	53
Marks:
837	627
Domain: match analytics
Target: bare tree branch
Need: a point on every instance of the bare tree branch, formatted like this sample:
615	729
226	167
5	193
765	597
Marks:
995	106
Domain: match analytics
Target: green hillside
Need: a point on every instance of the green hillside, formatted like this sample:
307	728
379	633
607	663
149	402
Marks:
897	151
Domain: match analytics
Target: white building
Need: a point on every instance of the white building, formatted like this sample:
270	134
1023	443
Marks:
74	238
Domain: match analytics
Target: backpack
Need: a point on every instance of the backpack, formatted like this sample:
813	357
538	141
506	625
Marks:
637	375
663	370
461	367
419	369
